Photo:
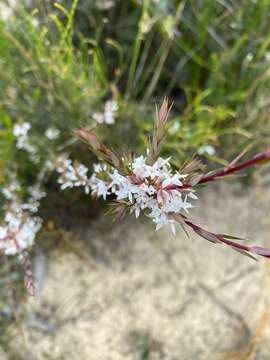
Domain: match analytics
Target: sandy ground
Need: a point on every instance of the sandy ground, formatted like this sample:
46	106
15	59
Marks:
139	294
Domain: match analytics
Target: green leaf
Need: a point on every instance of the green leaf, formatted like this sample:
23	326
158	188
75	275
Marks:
100	65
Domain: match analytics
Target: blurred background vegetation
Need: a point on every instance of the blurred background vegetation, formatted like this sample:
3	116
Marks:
61	61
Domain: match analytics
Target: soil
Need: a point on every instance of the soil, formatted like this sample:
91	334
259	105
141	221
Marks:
138	294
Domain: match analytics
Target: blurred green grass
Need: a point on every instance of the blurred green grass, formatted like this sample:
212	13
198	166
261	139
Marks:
211	58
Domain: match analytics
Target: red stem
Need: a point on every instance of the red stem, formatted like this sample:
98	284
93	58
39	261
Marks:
219	238
228	170
244	165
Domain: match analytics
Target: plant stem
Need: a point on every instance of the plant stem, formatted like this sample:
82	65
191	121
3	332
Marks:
247	250
261	157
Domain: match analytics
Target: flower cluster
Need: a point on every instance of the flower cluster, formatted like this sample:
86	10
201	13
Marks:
52	133
146	188
20	226
20	131
150	184
25	142
72	175
206	150
18	232
108	116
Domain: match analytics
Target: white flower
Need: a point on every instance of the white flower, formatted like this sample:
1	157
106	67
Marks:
20	131
3	232
140	168
36	193
111	108
249	56
35	22
52	133
98	117
11	189
105	4
206	149
175	127
18	233
174	180
108	116
101	189
72	175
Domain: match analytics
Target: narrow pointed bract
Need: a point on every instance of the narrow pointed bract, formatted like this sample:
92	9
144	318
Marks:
99	148
159	131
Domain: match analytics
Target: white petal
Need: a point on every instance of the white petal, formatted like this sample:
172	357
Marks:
192	196
166	183
173	228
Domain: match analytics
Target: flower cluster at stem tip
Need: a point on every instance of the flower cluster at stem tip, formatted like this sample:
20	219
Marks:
148	183
145	189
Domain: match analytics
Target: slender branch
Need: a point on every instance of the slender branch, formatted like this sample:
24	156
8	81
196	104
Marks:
261	157
233	169
225	240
